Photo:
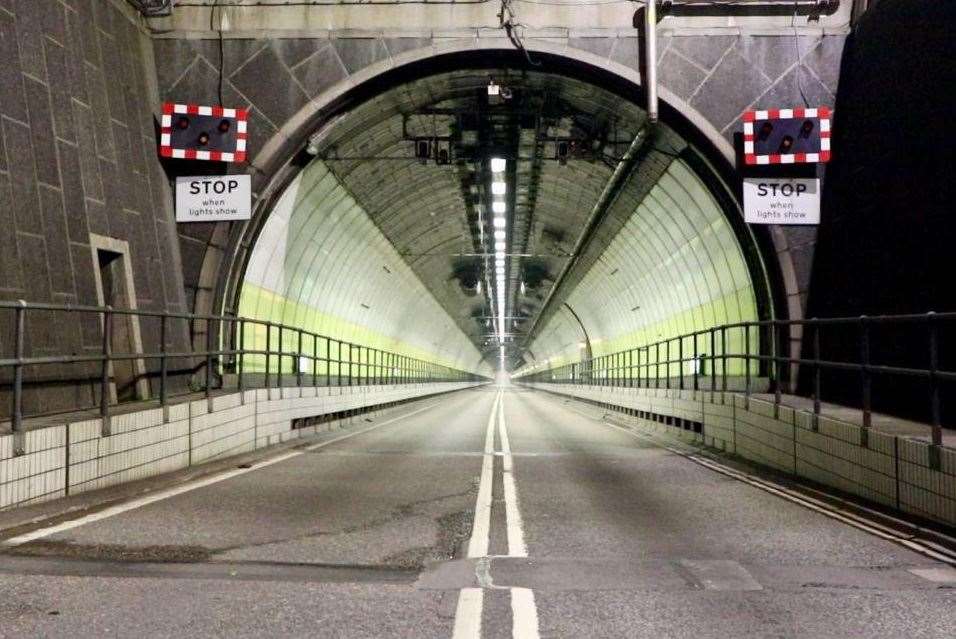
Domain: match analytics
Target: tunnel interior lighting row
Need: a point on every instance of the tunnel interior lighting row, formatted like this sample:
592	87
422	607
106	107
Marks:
499	207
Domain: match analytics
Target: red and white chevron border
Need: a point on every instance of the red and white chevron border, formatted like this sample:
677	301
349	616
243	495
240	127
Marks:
242	124
823	113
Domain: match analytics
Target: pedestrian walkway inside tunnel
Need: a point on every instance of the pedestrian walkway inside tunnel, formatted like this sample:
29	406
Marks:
476	319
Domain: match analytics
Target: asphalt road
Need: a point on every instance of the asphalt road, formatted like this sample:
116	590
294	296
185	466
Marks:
479	515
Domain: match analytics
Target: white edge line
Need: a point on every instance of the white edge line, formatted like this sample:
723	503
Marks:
514	525
468	614
524	614
139	502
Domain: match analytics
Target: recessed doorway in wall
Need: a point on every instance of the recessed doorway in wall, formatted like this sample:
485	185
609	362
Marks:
113	273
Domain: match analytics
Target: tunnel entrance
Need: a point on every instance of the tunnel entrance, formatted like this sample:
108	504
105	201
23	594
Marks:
457	208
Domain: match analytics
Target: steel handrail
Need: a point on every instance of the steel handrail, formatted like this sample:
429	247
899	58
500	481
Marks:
353	363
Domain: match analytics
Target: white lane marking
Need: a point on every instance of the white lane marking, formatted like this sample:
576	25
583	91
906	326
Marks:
944	575
468	614
481	529
139	502
524	614
516	545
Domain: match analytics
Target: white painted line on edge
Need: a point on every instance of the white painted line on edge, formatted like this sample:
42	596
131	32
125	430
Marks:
468	614
516	545
481	529
524	614
145	500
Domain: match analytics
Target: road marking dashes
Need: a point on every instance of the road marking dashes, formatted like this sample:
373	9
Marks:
524	613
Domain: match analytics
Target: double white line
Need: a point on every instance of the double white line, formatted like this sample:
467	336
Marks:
524	613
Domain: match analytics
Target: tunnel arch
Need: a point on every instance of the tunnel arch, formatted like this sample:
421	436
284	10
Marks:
282	160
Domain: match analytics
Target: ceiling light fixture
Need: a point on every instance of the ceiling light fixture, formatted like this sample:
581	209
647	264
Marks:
498	165
499	235
500	222
499	188
498	206
499	246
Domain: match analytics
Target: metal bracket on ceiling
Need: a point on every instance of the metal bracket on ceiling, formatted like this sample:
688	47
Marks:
702	8
153	8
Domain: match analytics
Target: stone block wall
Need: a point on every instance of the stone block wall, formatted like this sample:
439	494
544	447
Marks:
719	76
78	157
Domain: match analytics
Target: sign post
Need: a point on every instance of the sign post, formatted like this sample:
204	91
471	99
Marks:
782	200
213	198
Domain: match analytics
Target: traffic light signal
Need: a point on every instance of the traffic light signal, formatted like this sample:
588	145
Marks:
787	136
194	132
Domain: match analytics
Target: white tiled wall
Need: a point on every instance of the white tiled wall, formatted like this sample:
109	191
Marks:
142	444
831	454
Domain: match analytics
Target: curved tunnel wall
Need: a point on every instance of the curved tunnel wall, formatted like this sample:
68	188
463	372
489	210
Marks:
322	265
676	267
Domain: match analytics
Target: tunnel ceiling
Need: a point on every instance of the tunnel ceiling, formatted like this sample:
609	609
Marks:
436	214
562	137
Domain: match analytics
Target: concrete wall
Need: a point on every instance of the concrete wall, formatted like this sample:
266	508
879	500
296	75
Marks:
894	472
78	156
75	457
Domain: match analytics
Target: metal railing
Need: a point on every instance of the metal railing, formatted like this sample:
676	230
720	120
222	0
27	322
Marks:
711	359
256	353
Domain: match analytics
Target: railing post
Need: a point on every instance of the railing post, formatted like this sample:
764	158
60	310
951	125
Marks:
817	374
328	361
16	422
298	360
105	369
680	360
268	352
315	359
747	365
667	365
163	363
657	365
240	356
338	363
639	366
279	354
630	368
696	365
865	361
775	341
208	357
934	405
713	363
723	359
